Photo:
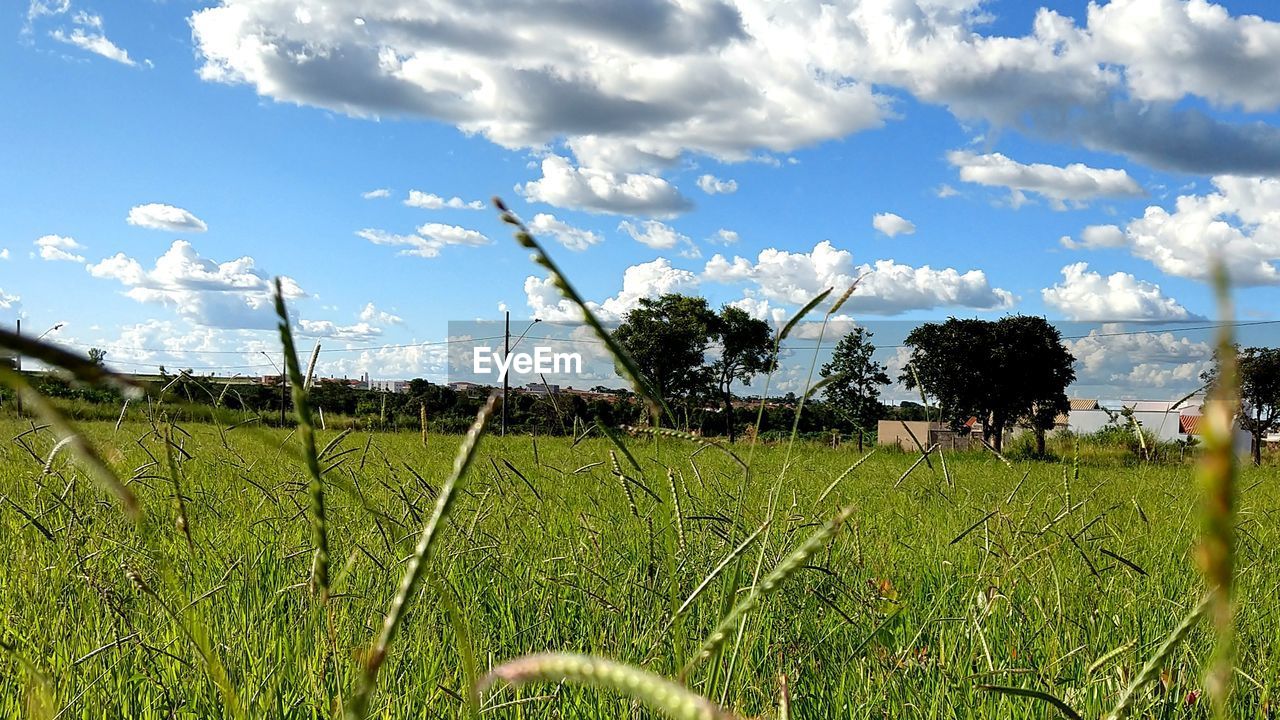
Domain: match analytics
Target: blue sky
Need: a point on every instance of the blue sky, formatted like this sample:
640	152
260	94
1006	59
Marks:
1011	141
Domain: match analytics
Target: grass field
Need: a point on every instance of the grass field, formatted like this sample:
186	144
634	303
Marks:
939	582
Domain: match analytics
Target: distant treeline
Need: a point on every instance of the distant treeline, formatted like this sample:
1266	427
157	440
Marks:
449	411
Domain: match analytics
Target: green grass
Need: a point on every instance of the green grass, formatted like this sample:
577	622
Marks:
891	618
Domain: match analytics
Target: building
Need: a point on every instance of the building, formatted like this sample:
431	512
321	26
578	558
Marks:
1167	421
929	433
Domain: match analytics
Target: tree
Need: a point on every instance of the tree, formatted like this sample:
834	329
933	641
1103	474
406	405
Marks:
668	338
1259	370
855	380
746	350
1001	372
97	356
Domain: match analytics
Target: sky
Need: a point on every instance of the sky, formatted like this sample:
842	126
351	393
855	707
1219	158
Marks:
164	160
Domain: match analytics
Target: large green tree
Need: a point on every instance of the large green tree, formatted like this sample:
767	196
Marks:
854	381
1001	372
668	337
1259	369
746	349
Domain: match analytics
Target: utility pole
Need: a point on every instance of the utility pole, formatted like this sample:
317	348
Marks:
506	376
283	363
17	360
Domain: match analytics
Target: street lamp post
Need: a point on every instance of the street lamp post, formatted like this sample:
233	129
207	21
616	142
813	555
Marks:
17	360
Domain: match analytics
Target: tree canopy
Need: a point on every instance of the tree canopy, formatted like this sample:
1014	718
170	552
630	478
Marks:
855	378
1259	369
1002	371
670	337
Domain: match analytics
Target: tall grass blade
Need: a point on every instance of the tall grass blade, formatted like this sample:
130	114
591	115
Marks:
81	448
622	359
666	697
307	434
358	708
767	586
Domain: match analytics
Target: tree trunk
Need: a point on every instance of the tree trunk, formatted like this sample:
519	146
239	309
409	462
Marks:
1040	441
728	412
997	429
1256	443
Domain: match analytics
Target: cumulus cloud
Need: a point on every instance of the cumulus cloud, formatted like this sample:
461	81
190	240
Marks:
376	194
232	294
886	287
158	216
371	314
632	86
1238	223
428	201
87	34
724	237
601	191
567	235
892	225
650	279
1096	236
58	247
654	234
4	253
1077	183
360	331
428	241
712	185
1086	295
9	301
1107	357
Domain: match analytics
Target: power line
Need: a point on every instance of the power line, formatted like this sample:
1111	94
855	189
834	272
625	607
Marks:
458	341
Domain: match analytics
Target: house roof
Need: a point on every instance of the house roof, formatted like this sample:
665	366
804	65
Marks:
1084	404
1189	424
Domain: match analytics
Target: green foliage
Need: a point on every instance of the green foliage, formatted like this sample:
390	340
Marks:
1003	371
860	629
854	391
668	337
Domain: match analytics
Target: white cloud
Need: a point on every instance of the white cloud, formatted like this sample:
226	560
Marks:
945	191
158	216
232	294
428	201
601	191
886	287
650	279
58	247
371	314
376	193
88	35
634	85
360	331
1105	357
1085	295
654	234
1173	49
724	237
892	225
563	233
1096	236
9	301
4	253
430	239
1239	223
712	185
1077	183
